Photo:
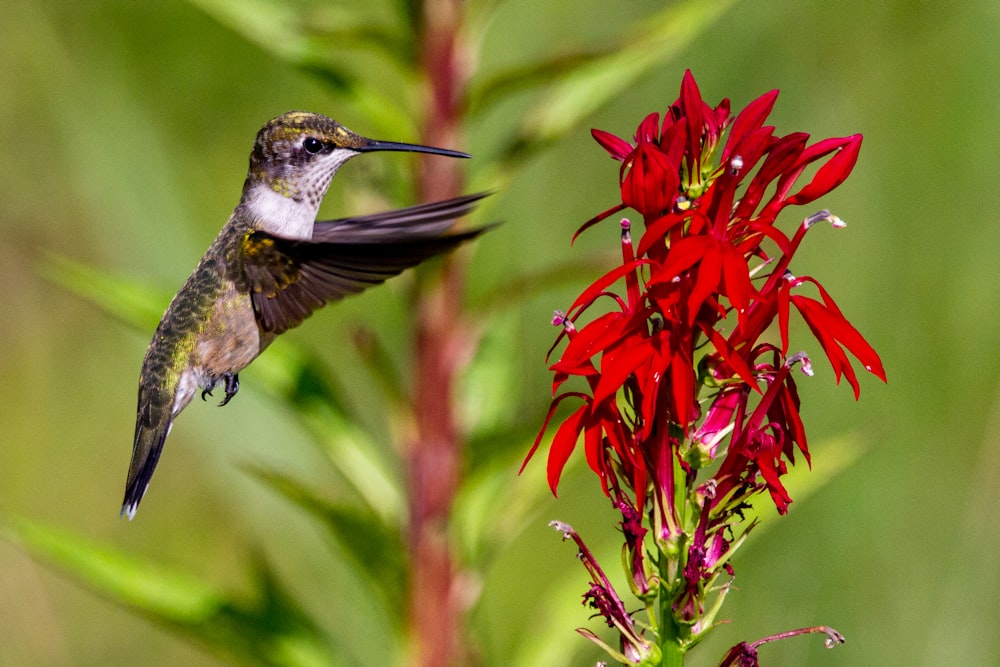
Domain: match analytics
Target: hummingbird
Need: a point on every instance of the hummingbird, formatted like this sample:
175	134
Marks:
271	266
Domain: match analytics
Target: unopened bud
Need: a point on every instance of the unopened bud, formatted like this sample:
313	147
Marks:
626	230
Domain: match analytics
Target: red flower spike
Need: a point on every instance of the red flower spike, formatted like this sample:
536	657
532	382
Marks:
689	361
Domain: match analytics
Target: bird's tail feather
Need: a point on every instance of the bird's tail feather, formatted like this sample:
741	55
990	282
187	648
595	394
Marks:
152	425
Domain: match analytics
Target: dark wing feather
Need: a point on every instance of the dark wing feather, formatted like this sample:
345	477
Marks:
430	219
290	279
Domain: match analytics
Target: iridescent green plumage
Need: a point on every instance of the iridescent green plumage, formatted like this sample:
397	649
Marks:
270	267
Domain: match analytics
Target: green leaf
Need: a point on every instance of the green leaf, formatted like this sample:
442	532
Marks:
309	37
315	38
830	458
288	374
375	547
270	630
379	363
555	276
517	79
494	505
595	81
126	300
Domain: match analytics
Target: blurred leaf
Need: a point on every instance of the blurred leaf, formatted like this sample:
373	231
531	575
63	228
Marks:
514	289
375	547
293	375
314	39
830	459
306	36
494	505
379	363
528	76
126	300
271	631
551	642
412	14
595	81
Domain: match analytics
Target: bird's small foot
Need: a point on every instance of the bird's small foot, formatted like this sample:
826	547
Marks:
207	391
232	386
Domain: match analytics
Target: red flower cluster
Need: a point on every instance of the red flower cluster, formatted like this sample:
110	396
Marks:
680	371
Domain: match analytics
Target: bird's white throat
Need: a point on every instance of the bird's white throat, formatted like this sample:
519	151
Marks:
290	210
282	216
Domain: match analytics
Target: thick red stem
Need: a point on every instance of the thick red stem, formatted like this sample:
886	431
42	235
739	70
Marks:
434	457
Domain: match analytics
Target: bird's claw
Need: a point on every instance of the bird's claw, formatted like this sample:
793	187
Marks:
232	386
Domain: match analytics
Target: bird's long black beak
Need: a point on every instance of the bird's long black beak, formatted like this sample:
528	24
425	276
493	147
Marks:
373	145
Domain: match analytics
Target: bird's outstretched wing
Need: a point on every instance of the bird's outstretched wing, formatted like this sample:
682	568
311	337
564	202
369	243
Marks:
290	279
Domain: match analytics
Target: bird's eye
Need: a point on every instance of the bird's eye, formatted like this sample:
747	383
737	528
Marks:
312	145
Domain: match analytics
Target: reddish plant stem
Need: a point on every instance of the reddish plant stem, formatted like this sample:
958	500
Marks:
433	459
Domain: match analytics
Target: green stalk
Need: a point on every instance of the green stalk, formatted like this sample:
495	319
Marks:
672	650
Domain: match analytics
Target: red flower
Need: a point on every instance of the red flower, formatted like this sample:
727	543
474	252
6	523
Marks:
702	244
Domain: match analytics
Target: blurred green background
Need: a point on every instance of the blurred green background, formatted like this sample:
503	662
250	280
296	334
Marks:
124	133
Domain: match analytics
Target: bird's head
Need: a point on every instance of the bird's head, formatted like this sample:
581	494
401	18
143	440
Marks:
294	158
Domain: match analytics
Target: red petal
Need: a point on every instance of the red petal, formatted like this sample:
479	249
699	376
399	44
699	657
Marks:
563	445
648	130
545	425
781	157
789	402
598	287
750	120
771	470
732	358
596	219
693	108
656	231
752	148
588	341
682	380
707	277
682	256
618	364
826	327
783	312
833	172
616	147
736	275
